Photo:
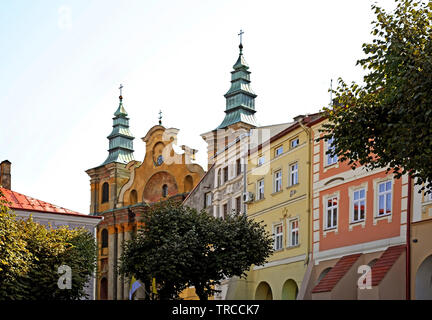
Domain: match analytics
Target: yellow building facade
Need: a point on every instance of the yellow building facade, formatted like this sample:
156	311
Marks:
278	193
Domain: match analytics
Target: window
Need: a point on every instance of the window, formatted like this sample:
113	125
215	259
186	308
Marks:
331	216
105	192
104	237
207	199
225	210
293	174
278	181
164	190
238	204
225	173
330	148
260	191
278	151
359	204
219	176
384	198
294	143
261	161
428	196
293	232
278	236
238	167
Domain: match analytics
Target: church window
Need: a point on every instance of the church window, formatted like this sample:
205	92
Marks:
105	192
164	191
104	236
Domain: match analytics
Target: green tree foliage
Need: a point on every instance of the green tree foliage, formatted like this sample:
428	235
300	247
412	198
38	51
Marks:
15	258
387	121
31	253
182	247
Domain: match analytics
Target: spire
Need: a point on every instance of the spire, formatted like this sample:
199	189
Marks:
240	98
160	117
120	139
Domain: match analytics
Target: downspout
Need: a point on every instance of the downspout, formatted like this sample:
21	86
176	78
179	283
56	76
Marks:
408	242
308	133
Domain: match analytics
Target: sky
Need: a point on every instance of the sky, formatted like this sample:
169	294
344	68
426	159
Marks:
61	64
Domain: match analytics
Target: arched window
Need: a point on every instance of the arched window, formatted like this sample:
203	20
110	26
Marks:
164	191
104	236
323	274
105	192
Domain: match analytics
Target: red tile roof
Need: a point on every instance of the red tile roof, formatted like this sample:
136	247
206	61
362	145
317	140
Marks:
18	201
336	273
385	262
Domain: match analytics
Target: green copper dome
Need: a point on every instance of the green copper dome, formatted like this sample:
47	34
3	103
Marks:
120	139
240	98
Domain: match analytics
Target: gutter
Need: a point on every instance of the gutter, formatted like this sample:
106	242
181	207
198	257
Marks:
408	243
308	133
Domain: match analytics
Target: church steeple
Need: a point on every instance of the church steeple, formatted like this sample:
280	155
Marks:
120	139
240	98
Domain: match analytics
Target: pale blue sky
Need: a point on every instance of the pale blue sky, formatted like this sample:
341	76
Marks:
62	63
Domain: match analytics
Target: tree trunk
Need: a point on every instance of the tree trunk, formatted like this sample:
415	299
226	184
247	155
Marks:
199	289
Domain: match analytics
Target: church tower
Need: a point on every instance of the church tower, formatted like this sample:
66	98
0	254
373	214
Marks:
240	99
120	139
107	179
239	112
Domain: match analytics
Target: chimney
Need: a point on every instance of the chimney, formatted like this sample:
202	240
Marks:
5	174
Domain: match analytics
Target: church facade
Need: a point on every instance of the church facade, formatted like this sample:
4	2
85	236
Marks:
122	189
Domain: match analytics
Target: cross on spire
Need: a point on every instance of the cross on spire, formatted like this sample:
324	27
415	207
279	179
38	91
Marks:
120	88
160	117
241	34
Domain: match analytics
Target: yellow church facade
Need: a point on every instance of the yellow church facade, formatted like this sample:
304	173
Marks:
278	193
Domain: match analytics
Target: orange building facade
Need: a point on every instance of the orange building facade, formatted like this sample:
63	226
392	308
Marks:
359	228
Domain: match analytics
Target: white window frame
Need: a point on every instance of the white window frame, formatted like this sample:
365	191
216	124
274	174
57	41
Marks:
291	231
207	202
260	187
384	194
275	181
359	201
278	237
326	213
276	151
329	159
291	171
259	162
293	140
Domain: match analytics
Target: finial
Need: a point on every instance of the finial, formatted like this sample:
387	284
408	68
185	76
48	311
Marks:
160	117
120	88
331	92
241	45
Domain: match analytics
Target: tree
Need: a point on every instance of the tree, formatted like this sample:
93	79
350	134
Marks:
15	258
52	248
31	253
181	247
387	121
